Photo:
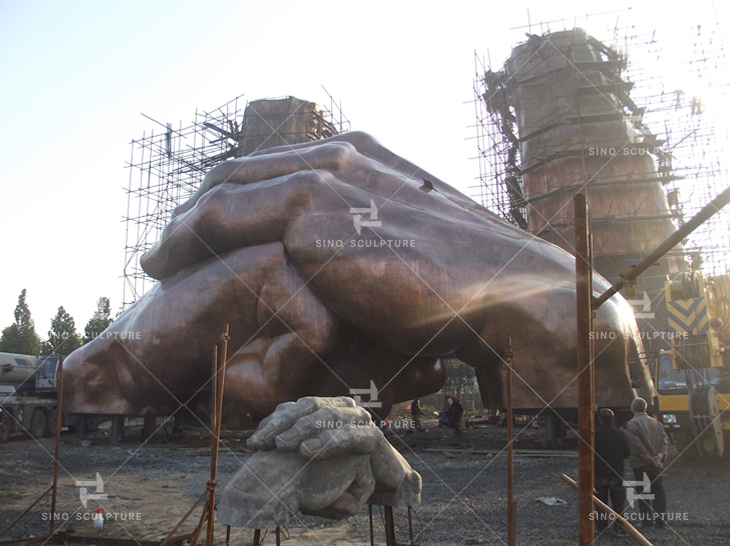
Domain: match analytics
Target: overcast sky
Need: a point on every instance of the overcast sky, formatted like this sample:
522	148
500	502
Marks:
76	75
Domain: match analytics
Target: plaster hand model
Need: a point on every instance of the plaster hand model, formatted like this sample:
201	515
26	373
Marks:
317	456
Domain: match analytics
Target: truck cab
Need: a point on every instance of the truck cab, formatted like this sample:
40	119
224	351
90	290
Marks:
46	379
28	394
692	404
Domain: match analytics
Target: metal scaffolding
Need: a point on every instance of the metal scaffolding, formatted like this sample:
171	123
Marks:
685	138
167	165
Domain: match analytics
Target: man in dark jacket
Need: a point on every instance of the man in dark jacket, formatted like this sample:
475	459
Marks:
649	448
416	414
455	413
612	447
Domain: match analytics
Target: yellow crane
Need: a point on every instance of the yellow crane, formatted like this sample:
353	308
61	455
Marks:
693	378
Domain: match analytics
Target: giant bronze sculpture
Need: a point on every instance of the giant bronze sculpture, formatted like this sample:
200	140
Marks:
578	128
339	265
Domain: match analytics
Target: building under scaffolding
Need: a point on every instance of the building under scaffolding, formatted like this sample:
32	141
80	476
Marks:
567	114
167	165
567	111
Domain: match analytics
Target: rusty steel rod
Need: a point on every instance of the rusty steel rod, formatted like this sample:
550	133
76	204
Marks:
16	520
370	518
668	244
201	523
68	537
389	526
57	453
219	377
214	398
511	512
410	527
222	378
584	292
169	537
603	507
213	437
218	372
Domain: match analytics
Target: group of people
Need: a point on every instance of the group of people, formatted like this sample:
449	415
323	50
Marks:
449	416
645	445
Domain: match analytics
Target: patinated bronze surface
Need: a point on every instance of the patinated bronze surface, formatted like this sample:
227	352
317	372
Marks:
322	299
574	134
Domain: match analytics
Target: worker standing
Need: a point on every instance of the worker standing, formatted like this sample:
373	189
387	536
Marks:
612	447
445	413
649	449
416	414
455	413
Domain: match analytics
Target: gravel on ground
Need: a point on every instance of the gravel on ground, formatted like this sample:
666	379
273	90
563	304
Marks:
150	484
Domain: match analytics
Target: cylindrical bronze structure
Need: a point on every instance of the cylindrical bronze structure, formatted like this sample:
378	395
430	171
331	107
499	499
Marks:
579	131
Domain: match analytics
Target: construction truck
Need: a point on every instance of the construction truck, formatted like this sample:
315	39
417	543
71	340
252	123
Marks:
29	398
692	379
28	395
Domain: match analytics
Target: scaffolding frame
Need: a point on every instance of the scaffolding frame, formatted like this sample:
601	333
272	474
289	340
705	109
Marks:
687	142
167	165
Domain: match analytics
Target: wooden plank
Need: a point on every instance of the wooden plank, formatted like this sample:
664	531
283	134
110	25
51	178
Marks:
518	452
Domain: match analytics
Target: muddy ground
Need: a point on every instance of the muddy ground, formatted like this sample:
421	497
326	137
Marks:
150	485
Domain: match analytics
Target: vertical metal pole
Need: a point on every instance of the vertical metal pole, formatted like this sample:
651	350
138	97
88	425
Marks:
59	425
278	536
389	526
410	528
511	513
219	376
257	537
584	297
370	517
222	374
213	440
592	367
214	394
228	535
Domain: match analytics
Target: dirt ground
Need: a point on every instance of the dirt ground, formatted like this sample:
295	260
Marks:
149	485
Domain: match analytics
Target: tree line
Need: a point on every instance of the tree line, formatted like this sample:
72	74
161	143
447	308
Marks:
63	339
